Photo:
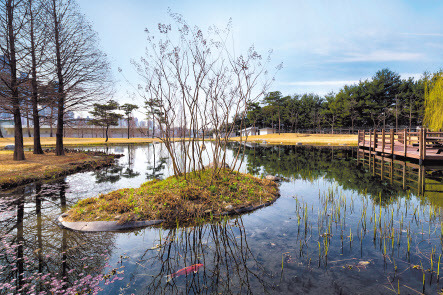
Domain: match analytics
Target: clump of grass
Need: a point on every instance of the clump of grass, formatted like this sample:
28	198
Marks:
176	199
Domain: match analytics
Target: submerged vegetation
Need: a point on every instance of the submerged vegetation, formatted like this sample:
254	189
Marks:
180	199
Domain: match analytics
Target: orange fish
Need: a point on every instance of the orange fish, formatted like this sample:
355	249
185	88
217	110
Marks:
184	271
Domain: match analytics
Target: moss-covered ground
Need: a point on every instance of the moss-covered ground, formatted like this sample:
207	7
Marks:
199	196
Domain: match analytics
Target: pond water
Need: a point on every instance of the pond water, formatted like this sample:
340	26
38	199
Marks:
346	222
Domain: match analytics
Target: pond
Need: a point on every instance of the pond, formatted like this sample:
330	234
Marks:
346	222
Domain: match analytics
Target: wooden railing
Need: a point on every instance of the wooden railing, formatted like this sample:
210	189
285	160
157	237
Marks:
417	144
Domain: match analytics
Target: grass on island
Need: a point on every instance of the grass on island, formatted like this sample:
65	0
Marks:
70	141
309	139
36	167
177	200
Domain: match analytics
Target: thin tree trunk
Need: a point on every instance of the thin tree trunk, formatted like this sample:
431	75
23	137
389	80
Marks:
27	124
34	98
128	127
51	134
19	153
59	151
107	127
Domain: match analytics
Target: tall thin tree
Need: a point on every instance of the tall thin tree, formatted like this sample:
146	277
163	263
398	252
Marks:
81	69
12	20
127	108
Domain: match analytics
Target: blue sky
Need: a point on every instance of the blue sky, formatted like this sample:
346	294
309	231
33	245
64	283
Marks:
323	44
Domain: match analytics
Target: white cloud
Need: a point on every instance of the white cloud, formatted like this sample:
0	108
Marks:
424	34
380	56
320	83
323	87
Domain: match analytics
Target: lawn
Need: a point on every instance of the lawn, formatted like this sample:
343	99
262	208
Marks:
37	167
308	139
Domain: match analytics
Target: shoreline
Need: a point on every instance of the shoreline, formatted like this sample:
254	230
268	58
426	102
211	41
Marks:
48	166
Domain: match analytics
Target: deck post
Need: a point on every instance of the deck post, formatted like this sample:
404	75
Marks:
424	144
406	142
370	140
392	143
373	164
375	139
364	137
383	141
420	146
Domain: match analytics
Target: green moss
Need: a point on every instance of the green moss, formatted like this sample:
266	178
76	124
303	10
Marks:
181	199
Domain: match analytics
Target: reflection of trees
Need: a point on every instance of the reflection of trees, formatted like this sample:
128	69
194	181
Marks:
34	245
229	265
114	173
156	170
311	163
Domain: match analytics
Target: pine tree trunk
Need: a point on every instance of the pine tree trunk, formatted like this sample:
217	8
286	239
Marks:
107	127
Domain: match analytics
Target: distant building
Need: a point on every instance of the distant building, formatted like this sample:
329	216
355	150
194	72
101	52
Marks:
265	131
249	131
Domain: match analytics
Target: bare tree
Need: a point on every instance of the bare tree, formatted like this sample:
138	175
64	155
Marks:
35	39
200	84
12	20
81	69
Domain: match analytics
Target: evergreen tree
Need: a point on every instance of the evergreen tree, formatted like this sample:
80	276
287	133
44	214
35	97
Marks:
105	116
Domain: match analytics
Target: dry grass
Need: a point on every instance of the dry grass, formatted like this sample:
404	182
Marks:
36	167
177	200
310	139
50	141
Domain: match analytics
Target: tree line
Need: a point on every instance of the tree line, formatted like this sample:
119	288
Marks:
49	57
385	100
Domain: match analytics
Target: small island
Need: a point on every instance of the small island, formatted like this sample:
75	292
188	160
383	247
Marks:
198	197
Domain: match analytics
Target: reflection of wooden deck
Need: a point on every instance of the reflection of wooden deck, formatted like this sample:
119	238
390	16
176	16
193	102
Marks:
406	174
421	145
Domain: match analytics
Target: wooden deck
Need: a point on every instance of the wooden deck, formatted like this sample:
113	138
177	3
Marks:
423	145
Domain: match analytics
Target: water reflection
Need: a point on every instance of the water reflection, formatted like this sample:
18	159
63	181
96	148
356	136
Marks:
36	254
345	223
229	265
424	180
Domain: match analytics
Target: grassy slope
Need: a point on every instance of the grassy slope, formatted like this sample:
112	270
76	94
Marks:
312	139
46	166
176	199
